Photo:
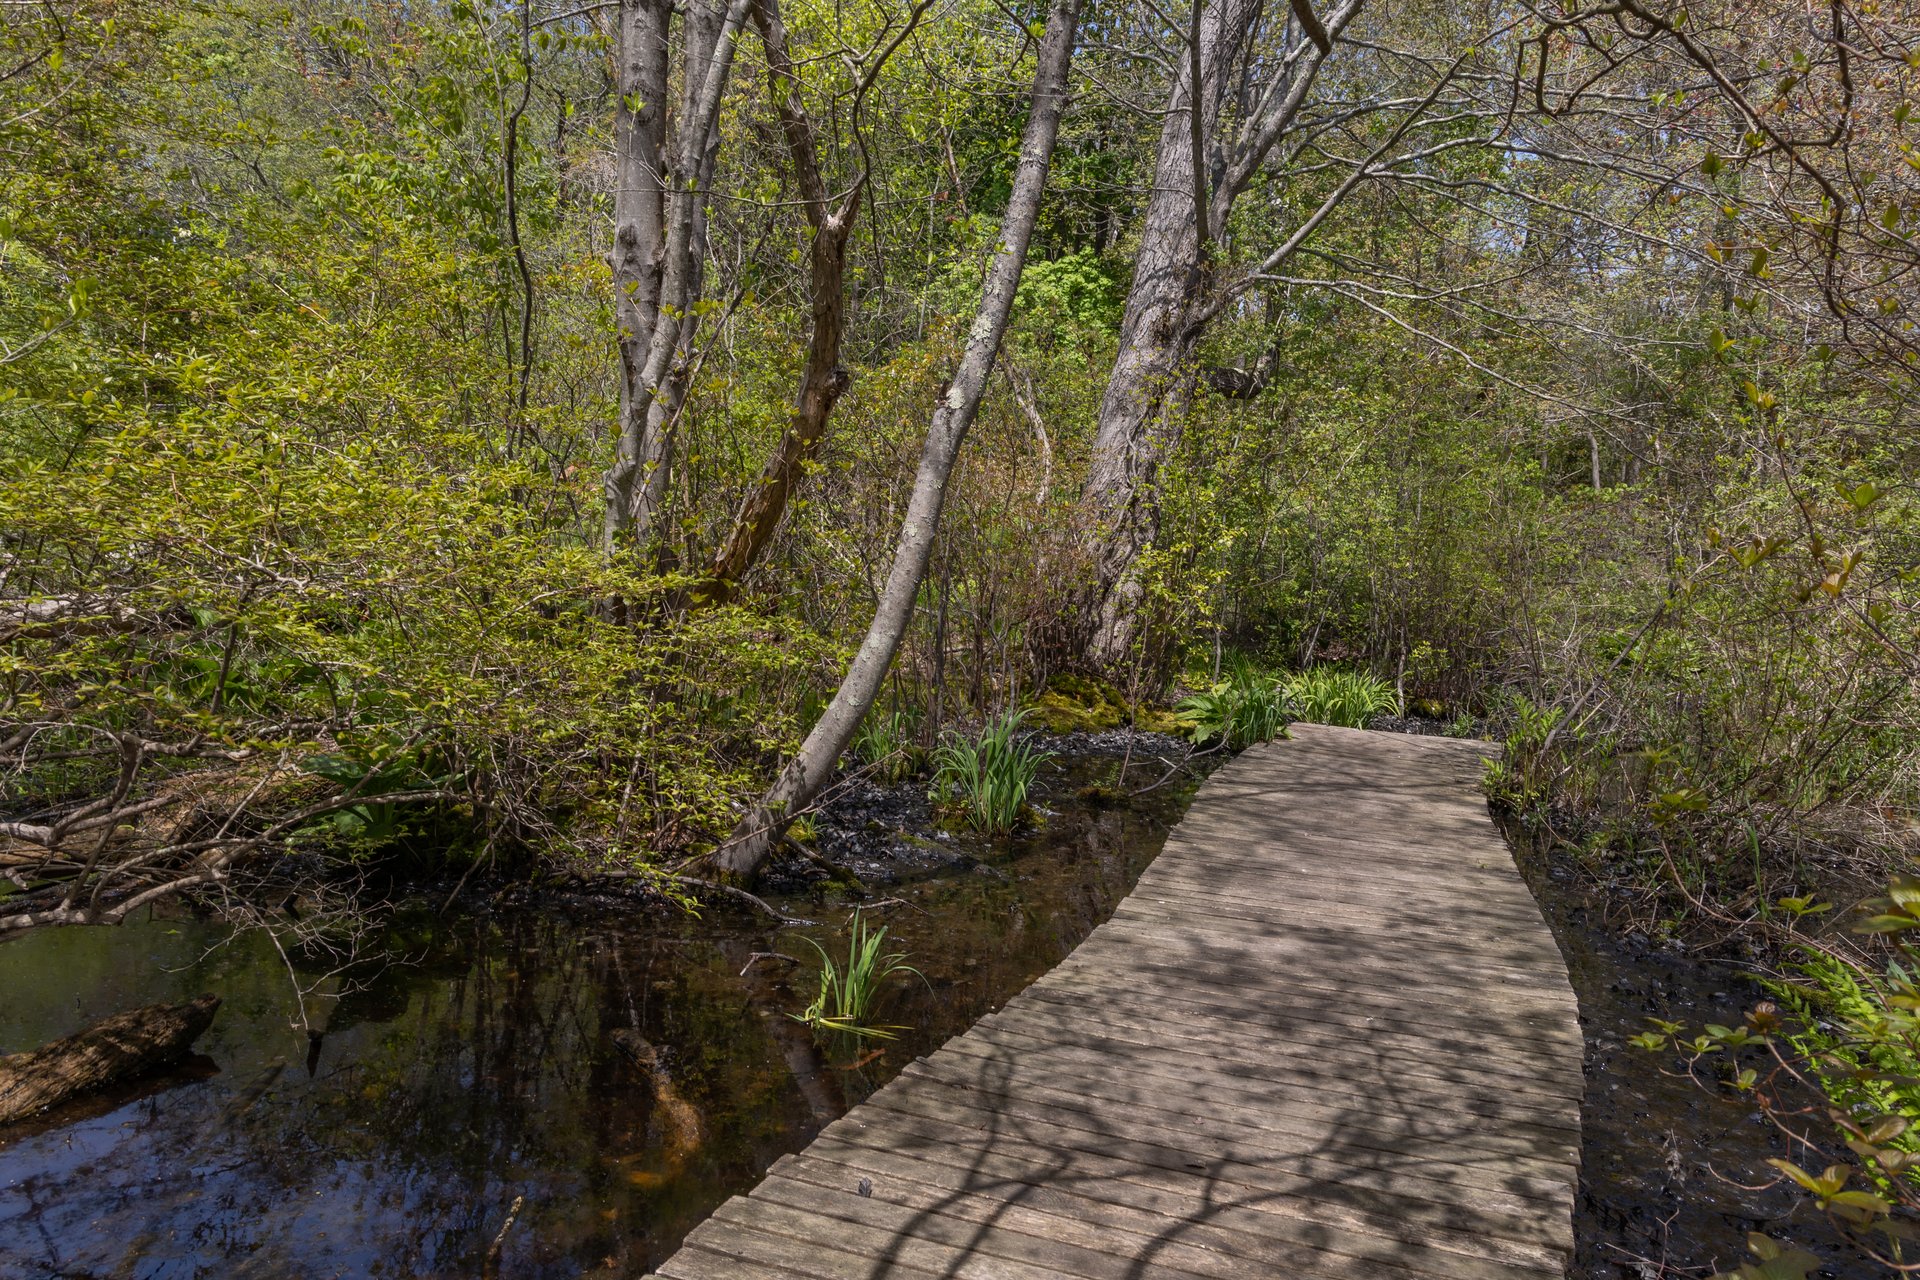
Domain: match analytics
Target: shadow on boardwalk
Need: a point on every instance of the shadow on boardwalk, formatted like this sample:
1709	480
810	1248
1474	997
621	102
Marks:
1328	1036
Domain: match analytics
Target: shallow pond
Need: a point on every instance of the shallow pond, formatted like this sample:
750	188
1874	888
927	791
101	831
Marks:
474	1065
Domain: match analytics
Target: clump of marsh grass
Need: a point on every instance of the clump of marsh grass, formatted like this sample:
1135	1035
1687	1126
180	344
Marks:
847	993
890	744
986	779
1334	695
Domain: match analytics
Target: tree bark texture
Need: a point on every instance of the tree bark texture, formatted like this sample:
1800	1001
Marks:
822	380
803	778
659	253
639	220
124	1046
1198	175
1139	411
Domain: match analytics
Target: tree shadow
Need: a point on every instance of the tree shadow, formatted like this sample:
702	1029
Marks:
1328	1036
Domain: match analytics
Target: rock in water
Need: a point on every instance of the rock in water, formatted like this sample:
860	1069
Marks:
124	1046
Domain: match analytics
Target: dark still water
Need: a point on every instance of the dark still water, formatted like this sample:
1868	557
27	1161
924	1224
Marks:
472	1063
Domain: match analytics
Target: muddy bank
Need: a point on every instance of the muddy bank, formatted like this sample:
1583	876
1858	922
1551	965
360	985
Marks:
1666	1166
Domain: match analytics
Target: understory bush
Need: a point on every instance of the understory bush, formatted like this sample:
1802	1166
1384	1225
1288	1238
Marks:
1247	707
1843	1025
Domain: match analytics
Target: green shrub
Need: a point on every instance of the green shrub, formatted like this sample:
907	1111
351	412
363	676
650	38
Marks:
1847	1031
1247	707
986	779
1854	1030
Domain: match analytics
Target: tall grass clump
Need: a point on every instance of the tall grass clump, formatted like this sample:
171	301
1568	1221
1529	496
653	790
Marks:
890	745
986	779
1247	707
845	1000
1333	695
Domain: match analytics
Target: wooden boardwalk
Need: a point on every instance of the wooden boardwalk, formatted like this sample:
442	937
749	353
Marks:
1327	1037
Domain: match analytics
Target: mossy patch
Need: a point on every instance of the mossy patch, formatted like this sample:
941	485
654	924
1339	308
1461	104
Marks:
1081	704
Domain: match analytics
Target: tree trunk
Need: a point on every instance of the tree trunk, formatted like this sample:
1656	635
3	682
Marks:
807	773
124	1046
1198	176
639	218
822	379
1150	380
636	484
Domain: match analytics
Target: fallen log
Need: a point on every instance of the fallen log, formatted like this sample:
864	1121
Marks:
681	1130
124	1046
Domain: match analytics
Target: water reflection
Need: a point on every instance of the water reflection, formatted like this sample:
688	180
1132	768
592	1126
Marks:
477	1066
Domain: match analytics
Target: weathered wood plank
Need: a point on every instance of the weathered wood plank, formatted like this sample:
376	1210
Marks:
1124	1080
1434	1175
1381	1056
1087	1197
1532	1018
1004	1227
1478	1230
1529	1013
1327	1036
1213	1113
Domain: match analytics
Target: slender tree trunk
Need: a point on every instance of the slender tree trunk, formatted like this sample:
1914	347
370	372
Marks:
639	223
636	484
808	772
1149	382
822	379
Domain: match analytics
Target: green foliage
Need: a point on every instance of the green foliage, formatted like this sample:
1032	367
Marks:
849	991
1773	1261
986	779
258	427
889	743
268	420
1332	695
1063	299
1246	708
1853	1035
398	767
1518	780
1857	1033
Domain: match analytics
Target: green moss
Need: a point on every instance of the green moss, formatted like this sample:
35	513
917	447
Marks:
1074	704
1059	714
1161	720
1081	704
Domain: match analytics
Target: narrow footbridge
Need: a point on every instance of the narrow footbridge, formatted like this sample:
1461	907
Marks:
1327	1037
